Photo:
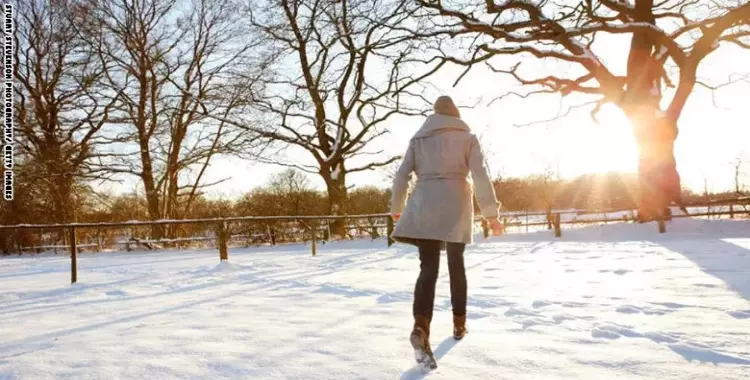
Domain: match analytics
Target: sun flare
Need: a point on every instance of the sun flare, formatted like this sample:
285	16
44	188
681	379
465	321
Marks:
605	147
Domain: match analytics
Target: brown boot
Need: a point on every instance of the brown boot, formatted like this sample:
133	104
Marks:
459	326
420	340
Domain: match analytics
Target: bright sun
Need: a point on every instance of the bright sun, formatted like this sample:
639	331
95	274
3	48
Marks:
608	146
569	147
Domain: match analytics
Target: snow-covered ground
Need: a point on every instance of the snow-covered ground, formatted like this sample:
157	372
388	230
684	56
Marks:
603	302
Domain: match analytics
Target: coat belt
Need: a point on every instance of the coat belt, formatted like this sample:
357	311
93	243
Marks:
439	176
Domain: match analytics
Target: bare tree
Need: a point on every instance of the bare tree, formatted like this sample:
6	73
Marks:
705	186
342	69
61	106
286	193
668	41
293	189
173	62
548	186
738	171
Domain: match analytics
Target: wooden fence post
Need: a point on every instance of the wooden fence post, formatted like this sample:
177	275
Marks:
558	231
549	219
662	225
485	229
130	239
731	211
527	220
222	233
389	230
73	256
374	233
314	230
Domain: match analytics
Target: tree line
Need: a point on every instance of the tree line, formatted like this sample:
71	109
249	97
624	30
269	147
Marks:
290	193
158	90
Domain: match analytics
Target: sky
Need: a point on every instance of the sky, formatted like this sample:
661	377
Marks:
714	130
525	136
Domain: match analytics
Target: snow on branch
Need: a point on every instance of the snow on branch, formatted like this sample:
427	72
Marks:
374	165
566	31
539	53
537	31
526	5
564	86
732	16
340	70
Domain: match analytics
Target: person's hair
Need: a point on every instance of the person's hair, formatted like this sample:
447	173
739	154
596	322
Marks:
444	106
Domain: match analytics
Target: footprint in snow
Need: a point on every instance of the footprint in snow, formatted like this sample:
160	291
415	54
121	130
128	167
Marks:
630	309
740	314
478	315
614	331
707	285
560	318
670	305
702	353
627	309
539	303
691	351
116	293
662	337
526	323
390	298
513	311
574	304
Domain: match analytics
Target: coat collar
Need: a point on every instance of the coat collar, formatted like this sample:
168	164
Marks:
437	123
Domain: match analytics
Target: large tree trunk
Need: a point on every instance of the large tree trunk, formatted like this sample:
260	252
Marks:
62	191
657	168
170	203
654	131
152	195
337	196
737	177
144	137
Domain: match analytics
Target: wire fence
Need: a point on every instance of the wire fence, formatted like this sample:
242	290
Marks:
254	230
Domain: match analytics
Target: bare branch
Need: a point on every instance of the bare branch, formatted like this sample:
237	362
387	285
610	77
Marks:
348	66
375	165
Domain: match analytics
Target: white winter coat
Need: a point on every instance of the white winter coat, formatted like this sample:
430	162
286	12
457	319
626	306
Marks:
442	154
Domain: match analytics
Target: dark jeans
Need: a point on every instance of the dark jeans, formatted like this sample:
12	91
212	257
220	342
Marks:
424	291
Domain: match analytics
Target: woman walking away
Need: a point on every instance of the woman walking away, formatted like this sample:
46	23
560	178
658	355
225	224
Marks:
440	213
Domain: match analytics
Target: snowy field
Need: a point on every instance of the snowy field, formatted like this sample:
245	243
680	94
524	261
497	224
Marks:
603	302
